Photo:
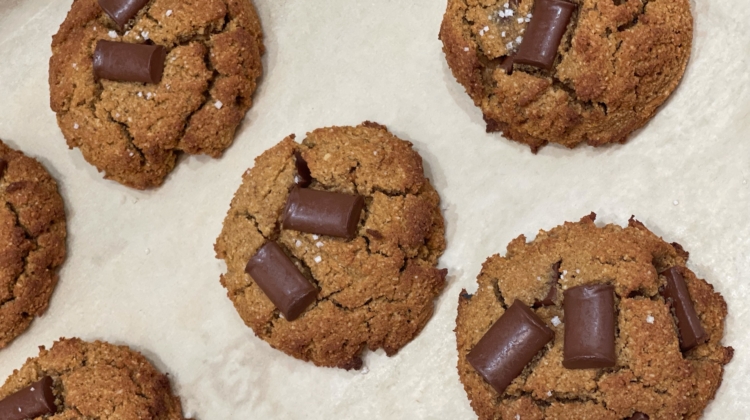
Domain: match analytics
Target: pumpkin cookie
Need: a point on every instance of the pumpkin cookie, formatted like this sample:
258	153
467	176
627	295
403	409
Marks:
202	81
591	322
342	234
564	71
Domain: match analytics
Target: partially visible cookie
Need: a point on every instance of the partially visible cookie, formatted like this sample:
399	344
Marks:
615	64
651	375
32	241
133	132
375	290
98	381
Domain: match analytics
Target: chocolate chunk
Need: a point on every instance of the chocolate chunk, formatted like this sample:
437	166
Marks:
638	416
34	401
509	345
507	64
129	62
544	33
304	178
688	322
3	166
589	327
121	11
323	212
551	297
281	281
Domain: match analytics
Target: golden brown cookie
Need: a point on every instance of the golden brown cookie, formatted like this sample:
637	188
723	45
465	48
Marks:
132	131
374	291
617	62
32	241
99	381
651	375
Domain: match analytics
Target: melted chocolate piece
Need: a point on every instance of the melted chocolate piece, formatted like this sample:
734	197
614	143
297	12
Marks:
589	327
509	345
545	31
281	281
34	401
323	212
126	62
638	416
304	178
121	11
688	322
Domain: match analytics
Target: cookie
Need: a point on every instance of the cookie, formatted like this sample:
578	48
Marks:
32	241
567	72
375	290
134	132
98	381
560	277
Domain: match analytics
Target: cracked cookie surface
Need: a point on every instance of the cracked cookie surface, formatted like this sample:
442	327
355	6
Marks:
617	63
32	241
374	291
98	381
652	375
133	132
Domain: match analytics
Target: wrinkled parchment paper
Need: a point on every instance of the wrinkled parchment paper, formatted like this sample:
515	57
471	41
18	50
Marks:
141	269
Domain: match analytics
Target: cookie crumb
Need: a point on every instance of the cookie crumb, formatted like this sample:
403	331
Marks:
556	321
650	319
112	34
218	104
169	12
317	259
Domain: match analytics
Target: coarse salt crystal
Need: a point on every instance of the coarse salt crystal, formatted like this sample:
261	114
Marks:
112	34
486	28
318	259
501	14
144	34
319	244
650	319
518	417
520	20
549	393
519	39
218	104
578	271
75	65
148	95
509	46
508	12
466	49
481	32
565	272
528	15
527	20
140	94
503	34
316	237
375	153
75	126
365	370
117	115
169	12
539	278
298	243
506	5
676	202
31	389
556	321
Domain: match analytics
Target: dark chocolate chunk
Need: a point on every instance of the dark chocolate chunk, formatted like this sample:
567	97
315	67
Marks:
3	166
323	212
638	416
509	345
126	62
304	178
589	327
545	31
507	64
121	11
688	321
34	401
281	281
554	277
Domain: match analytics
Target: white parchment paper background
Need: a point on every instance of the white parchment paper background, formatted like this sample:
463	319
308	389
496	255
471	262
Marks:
141	268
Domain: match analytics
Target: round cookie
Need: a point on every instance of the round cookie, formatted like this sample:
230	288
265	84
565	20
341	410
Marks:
617	62
99	381
652	376
32	241
133	132
374	291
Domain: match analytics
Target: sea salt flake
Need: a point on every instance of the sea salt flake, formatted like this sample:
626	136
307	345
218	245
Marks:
501	14
556	321
506	5
503	34
509	46
466	49
675	202
298	243
75	65
112	34
518	417
527	20
539	278
318	259
144	34
519	39
520	20
650	319
140	94
486	28
169	12
481	32
316	237
508	12
76	126
549	393
578	271
319	244
218	104
148	95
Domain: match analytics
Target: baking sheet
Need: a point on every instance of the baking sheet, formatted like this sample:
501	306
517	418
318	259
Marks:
141	269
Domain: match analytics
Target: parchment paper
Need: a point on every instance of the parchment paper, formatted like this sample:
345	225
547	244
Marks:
141	269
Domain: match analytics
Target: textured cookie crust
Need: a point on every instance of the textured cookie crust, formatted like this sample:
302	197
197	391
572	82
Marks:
376	290
133	132
618	61
99	381
32	241
652	376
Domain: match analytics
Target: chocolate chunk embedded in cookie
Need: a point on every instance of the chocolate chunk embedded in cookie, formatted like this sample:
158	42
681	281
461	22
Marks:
196	92
375	288
93	381
567	71
32	241
616	351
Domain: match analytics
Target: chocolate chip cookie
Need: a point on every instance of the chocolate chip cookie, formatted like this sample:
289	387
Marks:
591	322
567	71
77	379
324	297
32	241
134	131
